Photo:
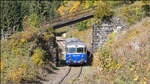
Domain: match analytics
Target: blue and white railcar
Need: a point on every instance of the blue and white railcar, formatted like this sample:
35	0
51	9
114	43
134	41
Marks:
75	51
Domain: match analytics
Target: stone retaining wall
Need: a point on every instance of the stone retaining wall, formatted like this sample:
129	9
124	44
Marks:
104	28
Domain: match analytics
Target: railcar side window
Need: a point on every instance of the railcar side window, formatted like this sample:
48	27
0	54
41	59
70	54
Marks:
79	50
71	50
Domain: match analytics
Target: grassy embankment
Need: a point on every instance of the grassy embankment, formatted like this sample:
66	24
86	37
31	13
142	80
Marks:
21	56
124	59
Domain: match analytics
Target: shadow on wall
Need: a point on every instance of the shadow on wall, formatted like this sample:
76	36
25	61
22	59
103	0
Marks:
89	58
60	33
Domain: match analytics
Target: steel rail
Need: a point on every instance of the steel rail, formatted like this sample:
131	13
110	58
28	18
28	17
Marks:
69	70
80	72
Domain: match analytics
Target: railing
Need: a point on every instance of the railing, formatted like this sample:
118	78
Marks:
70	16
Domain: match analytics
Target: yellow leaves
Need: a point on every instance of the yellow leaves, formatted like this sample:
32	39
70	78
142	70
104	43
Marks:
23	40
112	35
111	39
61	10
136	77
2	65
133	34
131	64
98	2
16	51
16	75
145	79
68	7
75	7
119	66
103	58
38	56
30	21
87	5
48	35
131	68
102	10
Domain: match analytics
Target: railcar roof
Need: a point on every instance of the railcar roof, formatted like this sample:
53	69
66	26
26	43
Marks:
74	42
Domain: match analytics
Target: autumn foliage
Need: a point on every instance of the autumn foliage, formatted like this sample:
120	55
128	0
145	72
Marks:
20	54
125	57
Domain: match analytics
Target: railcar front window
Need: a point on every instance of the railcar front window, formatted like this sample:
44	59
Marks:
79	50
71	50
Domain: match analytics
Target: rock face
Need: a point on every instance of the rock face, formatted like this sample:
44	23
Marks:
104	28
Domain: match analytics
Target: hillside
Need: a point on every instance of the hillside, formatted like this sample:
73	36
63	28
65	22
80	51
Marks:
125	57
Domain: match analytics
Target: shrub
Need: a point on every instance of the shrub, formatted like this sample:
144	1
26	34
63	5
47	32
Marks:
47	35
132	13
103	10
39	56
30	22
82	25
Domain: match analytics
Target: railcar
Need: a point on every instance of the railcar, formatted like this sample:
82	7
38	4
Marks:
75	51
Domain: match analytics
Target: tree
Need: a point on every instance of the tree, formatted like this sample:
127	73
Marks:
13	12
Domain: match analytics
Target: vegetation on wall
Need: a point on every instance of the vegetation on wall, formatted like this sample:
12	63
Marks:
102	10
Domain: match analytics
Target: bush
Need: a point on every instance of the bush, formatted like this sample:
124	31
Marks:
103	10
38	56
132	13
30	22
82	25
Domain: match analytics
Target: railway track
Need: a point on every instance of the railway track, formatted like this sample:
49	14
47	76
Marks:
80	72
72	77
65	75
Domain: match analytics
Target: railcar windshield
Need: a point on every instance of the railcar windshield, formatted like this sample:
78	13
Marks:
71	50
80	50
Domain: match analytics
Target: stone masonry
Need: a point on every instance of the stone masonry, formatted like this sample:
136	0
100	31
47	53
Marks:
104	28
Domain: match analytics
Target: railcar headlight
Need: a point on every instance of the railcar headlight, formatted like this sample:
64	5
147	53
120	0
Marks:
69	56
